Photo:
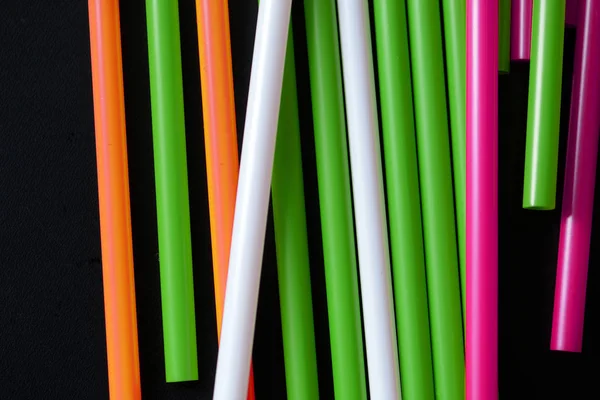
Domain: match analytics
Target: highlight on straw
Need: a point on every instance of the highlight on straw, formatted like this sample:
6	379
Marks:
579	184
369	203
543	113
172	201
403	199
113	198
220	138
252	202
437	194
409	231
333	180
482	201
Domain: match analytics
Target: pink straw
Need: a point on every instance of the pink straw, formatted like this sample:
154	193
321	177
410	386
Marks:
520	30
571	13
482	200
580	177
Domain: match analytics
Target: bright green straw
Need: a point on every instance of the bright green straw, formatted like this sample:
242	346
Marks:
172	203
454	12
504	37
404	203
336	205
543	112
292	245
437	199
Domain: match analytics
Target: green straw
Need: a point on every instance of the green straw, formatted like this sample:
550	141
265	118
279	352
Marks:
172	203
292	245
454	12
404	203
504	36
437	198
543	112
335	200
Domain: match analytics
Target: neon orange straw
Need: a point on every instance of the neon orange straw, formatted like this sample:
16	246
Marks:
220	138
113	194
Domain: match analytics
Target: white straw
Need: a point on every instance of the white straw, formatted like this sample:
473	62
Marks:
369	206
252	202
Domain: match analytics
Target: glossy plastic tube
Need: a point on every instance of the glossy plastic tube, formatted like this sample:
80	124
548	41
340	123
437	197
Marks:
482	200
252	202
520	25
543	112
220	139
113	195
331	151
369	201
580	178
172	202
404	201
437	202
291	242
504	37
454	31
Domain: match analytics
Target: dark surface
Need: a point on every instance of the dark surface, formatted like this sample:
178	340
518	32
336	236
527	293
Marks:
51	308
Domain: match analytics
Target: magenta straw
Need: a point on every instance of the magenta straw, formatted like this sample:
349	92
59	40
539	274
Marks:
580	177
482	200
571	12
520	29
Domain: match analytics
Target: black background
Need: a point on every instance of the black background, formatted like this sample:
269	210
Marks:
51	308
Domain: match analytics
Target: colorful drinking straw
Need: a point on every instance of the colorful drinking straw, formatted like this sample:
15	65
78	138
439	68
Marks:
482	200
571	13
335	200
369	202
520	26
543	113
291	243
504	37
172	203
252	202
220	138
454	14
404	202
580	177
113	196
437	201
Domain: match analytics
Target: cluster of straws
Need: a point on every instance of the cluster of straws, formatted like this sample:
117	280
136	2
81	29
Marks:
441	169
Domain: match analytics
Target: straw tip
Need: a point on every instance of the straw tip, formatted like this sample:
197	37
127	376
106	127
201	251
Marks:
565	348
538	208
566	339
181	376
539	205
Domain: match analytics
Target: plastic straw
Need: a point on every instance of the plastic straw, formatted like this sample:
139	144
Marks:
454	14
220	139
437	202
580	177
482	200
504	37
172	203
335	200
543	115
252	202
369	202
291	241
404	202
572	12
113	196
520	35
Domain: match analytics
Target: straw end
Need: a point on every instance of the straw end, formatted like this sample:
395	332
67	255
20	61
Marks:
539	201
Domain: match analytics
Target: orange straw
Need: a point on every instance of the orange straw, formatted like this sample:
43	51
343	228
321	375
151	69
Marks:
220	138
113	195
